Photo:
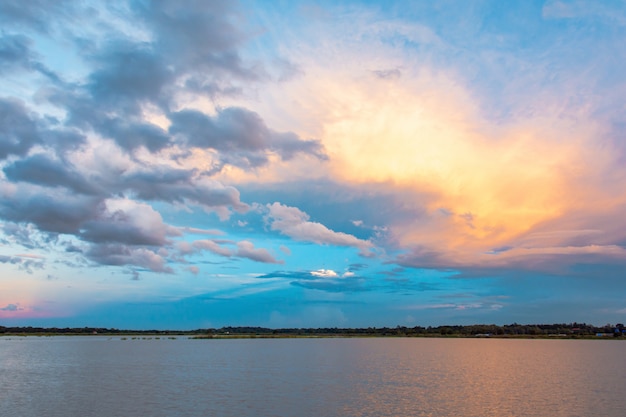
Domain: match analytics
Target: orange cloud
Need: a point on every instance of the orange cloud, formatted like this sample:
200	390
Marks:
385	118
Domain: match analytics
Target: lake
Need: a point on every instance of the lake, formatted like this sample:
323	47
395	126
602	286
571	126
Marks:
102	376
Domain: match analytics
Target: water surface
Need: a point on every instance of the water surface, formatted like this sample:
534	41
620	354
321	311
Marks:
101	376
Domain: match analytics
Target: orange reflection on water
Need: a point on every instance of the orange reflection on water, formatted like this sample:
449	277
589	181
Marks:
482	377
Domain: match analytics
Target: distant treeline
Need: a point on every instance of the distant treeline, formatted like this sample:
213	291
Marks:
572	330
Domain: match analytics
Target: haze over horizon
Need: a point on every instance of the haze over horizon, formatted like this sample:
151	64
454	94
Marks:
192	164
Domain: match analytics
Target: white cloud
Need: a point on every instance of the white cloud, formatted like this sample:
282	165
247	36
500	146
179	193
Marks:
324	273
295	223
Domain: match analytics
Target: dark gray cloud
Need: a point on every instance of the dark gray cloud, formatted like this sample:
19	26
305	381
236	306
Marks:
123	255
62	140
192	48
194	31
18	128
167	184
15	52
74	158
241	135
49	212
21	129
17	55
190	44
232	129
128	75
40	169
288	145
71	248
212	88
131	135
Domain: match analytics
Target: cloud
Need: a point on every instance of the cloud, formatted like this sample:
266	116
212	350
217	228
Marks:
288	275
321	280
177	47
95	151
557	9
19	129
199	231
246	249
127	222
478	149
181	31
128	74
187	248
23	235
38	14
163	183
24	263
49	211
9	259
14	52
357	267
455	306
41	169
388	74
485	144
333	286
324	273
134	134
11	307
294	223
240	136
123	255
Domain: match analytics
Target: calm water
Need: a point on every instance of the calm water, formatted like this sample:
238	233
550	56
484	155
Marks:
101	376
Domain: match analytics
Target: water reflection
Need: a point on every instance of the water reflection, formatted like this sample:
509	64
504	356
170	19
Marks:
464	377
92	376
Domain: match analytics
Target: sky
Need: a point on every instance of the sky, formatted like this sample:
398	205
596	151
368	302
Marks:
198	164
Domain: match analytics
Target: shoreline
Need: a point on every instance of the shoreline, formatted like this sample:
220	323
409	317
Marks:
191	336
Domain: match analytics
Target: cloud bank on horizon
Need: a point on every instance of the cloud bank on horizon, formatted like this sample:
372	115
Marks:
194	164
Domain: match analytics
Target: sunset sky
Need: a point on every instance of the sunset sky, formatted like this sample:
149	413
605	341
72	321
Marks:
192	164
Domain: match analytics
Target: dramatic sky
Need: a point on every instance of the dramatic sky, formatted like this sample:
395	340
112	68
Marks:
188	164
